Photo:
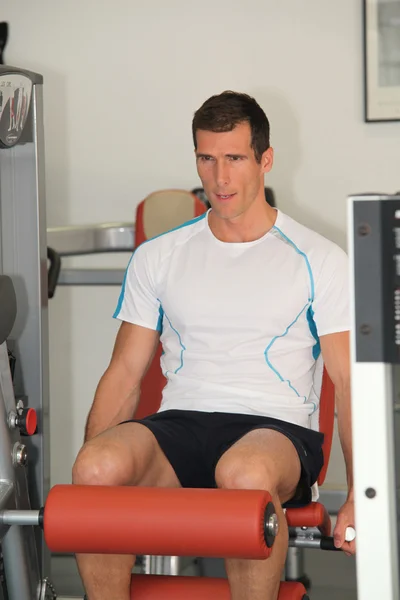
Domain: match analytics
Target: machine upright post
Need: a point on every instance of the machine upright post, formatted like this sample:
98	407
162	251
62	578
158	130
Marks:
374	249
21	568
23	257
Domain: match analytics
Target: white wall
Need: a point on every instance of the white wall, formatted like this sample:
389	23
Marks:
122	80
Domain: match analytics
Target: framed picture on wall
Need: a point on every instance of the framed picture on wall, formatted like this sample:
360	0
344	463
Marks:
382	60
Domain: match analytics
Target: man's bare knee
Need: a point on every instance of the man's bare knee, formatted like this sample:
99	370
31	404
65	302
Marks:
101	464
263	459
125	455
237	475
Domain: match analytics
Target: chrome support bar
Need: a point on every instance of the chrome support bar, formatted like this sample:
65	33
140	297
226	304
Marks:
19	517
92	239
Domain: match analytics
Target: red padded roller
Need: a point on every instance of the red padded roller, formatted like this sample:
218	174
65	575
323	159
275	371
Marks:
156	521
163	587
312	515
292	590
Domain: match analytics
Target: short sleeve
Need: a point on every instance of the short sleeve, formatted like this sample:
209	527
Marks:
138	302
331	305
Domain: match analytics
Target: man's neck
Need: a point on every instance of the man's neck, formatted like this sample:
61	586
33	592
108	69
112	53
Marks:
247	227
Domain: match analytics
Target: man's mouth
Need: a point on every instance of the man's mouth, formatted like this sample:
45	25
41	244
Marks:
224	196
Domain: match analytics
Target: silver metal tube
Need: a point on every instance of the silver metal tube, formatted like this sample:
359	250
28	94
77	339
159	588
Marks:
304	543
294	565
147	564
174	564
157	565
307	532
92	239
160	568
19	517
87	277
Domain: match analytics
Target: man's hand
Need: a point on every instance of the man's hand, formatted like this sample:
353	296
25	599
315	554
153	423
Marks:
345	519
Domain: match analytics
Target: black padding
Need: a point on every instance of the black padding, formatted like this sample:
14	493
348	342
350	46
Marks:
3	40
270	196
327	543
8	307
54	271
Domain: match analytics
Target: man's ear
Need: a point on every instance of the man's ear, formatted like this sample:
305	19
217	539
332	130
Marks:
267	160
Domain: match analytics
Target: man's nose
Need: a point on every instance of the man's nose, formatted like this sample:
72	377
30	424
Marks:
222	173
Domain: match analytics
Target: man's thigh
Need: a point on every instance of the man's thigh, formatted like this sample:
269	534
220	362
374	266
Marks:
134	453
261	459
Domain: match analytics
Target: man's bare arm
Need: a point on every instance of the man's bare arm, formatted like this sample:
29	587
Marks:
335	349
117	394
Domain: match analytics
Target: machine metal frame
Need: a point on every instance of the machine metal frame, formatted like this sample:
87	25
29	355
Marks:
374	249
23	257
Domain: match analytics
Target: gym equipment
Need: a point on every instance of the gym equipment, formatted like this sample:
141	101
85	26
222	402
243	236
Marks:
118	520
374	245
23	315
178	205
203	522
23	260
309	527
222	523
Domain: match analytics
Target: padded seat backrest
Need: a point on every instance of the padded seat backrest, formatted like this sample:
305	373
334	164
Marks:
326	421
323	418
164	210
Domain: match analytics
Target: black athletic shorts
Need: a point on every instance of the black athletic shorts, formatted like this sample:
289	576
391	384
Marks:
194	441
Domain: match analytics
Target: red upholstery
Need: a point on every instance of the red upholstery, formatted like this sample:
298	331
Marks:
291	590
326	420
165	587
156	521
154	381
313	515
197	209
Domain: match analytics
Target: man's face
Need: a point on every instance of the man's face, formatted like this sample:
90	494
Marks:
232	178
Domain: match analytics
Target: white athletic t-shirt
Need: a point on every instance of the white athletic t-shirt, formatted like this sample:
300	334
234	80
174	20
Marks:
240	322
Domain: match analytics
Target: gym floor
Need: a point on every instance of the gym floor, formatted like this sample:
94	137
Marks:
332	574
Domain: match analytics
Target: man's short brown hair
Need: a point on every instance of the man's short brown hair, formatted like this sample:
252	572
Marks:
224	111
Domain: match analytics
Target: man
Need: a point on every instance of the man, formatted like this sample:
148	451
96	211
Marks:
245	300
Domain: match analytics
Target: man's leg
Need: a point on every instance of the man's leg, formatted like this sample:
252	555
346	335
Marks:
125	455
262	459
